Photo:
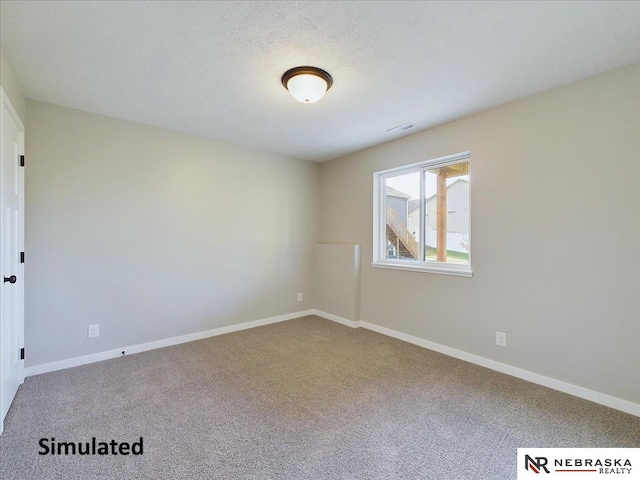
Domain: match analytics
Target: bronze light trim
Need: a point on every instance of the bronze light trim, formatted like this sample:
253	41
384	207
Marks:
318	72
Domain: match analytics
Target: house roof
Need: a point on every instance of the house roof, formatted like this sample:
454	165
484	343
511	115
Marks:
393	192
413	204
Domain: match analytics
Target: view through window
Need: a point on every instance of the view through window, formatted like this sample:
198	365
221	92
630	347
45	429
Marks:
424	214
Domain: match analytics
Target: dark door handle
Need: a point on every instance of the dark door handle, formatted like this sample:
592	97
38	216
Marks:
11	279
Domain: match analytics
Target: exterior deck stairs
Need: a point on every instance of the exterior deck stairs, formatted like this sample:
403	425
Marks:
399	236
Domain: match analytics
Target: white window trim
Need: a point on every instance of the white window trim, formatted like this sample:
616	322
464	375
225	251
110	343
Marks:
380	259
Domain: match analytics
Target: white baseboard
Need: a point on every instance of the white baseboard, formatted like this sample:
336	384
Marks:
581	392
143	347
597	397
337	319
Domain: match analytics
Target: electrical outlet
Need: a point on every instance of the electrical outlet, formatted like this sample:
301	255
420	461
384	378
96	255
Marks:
94	331
300	296
501	339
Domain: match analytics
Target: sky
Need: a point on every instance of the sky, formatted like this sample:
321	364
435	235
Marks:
410	184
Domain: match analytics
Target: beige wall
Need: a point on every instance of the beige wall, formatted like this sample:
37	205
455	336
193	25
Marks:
144	231
559	168
337	284
10	86
130	226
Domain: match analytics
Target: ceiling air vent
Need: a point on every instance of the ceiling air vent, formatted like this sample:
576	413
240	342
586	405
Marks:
401	128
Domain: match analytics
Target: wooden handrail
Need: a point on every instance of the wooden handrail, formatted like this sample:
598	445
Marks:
403	234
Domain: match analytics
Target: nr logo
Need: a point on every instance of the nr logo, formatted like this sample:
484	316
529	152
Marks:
536	465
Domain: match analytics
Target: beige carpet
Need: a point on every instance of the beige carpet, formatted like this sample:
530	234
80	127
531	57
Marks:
303	399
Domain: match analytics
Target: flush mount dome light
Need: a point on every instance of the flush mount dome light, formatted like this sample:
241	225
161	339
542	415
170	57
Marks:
307	84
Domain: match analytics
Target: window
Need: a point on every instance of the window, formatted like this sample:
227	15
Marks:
421	217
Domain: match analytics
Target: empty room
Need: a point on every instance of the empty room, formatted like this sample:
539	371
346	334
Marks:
319	240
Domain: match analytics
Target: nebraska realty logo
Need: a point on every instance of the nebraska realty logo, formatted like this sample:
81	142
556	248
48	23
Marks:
586	462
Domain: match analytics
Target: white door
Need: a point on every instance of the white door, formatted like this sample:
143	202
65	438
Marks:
11	267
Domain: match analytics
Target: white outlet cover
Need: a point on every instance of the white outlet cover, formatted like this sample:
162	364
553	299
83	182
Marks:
501	339
299	297
94	331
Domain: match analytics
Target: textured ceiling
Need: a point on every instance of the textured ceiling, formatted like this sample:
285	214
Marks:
214	68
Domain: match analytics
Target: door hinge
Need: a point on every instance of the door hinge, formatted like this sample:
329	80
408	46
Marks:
22	160
22	353
21	257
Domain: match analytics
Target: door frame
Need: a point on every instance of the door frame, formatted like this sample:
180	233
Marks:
7	107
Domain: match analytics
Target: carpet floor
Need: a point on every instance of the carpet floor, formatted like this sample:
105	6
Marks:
302	399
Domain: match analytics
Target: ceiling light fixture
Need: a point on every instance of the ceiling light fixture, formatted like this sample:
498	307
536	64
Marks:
307	84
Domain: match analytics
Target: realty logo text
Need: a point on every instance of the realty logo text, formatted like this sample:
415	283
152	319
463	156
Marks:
590	462
597	465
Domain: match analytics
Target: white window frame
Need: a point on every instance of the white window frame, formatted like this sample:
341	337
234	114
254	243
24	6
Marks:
380	259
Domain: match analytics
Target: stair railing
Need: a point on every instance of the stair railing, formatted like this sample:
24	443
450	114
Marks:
403	234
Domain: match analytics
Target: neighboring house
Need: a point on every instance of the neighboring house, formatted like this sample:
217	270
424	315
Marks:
398	200
457	216
457	207
413	218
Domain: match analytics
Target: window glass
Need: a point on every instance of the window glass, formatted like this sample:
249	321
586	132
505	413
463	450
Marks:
403	223
422	216
446	208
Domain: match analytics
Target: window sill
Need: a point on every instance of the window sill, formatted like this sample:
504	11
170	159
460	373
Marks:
442	269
